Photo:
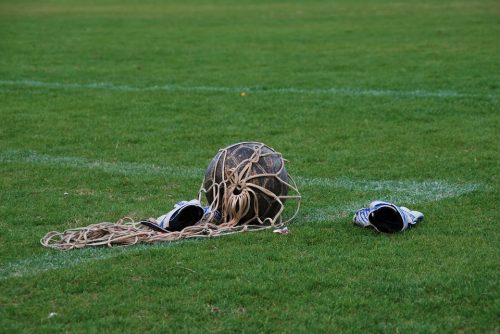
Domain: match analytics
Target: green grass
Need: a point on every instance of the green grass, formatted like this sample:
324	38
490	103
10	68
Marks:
115	108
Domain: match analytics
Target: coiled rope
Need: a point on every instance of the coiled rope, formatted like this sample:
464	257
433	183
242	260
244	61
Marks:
235	205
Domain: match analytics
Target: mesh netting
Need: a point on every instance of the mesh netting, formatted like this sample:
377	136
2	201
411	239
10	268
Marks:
246	186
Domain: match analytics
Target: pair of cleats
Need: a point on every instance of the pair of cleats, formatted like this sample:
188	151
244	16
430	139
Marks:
382	216
386	217
184	214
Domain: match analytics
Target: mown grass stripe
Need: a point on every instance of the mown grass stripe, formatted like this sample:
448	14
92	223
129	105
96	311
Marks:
418	93
60	260
52	260
408	192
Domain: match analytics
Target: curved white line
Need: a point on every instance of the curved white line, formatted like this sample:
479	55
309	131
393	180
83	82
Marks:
343	91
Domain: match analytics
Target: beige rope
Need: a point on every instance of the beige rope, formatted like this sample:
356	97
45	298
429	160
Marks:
130	233
234	205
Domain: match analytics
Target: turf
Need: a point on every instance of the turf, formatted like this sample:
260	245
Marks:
115	108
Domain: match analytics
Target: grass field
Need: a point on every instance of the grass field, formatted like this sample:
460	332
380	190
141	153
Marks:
115	108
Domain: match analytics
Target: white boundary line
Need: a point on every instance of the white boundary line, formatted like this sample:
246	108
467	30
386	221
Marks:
61	260
255	89
406	191
409	192
126	168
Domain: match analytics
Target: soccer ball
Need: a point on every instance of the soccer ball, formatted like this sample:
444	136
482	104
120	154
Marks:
247	182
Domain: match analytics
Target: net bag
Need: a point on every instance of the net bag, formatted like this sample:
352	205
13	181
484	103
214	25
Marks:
245	187
248	184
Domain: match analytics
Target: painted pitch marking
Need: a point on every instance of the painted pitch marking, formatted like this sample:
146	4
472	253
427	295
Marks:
67	259
403	191
342	91
126	168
